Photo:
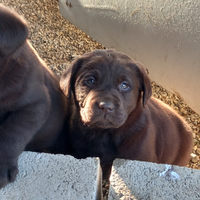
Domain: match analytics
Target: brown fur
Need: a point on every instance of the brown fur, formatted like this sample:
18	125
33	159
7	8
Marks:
32	106
114	116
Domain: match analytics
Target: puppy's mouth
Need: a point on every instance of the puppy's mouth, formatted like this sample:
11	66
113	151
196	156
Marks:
105	124
100	121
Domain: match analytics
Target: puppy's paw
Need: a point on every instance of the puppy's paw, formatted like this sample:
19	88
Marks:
7	174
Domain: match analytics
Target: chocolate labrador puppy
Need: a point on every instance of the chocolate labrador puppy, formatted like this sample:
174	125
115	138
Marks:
32	105
114	116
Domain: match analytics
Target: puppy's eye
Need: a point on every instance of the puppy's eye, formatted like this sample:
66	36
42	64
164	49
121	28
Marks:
124	86
90	81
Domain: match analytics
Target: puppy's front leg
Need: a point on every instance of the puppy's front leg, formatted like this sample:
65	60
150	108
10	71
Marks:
16	132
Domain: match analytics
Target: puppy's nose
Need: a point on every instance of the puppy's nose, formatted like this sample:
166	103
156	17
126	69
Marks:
106	106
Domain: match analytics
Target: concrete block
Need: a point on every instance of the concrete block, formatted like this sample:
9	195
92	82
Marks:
134	180
54	177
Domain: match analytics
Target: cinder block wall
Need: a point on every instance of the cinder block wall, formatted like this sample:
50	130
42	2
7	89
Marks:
134	180
54	177
58	177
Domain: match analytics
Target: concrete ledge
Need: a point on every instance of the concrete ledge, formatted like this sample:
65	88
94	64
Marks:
131	180
46	176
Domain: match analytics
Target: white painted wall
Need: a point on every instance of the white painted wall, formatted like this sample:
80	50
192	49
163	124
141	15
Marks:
162	34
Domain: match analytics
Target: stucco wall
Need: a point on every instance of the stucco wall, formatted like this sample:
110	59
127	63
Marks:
164	35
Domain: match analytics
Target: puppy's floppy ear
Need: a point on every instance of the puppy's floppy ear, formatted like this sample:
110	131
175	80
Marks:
67	80
145	84
13	31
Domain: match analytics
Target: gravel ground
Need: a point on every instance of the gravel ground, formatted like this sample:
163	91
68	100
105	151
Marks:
58	42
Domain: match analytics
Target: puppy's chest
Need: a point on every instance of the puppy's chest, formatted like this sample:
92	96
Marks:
100	142
96	143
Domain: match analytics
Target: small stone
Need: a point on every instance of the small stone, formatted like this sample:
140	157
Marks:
198	150
194	158
195	148
195	141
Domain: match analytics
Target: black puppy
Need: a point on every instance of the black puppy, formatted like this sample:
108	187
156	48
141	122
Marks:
114	116
32	106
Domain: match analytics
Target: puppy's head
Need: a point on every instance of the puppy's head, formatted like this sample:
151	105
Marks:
106	85
13	31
